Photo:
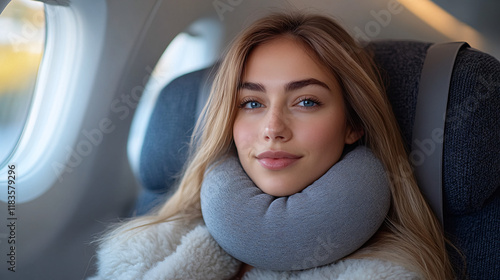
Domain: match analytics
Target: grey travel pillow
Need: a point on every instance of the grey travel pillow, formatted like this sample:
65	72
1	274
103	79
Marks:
323	223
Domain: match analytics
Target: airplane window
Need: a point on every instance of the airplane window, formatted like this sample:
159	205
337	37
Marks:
194	49
21	48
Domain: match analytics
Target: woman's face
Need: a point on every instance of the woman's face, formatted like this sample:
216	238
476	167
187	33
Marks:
291	123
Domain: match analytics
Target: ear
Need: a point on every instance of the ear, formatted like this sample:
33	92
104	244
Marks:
353	135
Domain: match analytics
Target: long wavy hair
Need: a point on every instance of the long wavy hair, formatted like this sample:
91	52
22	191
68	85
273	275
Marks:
411	235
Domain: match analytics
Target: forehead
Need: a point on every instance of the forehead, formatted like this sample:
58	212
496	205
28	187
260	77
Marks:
285	58
284	43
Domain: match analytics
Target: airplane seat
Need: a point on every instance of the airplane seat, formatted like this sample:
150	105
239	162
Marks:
471	157
471	148
166	142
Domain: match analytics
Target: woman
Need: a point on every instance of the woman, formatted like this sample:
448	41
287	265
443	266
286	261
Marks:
293	91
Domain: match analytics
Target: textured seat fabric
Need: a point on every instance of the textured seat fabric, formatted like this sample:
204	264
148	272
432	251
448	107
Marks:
471	161
471	171
165	147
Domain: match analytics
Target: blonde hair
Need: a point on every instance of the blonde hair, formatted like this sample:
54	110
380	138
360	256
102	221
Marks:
411	235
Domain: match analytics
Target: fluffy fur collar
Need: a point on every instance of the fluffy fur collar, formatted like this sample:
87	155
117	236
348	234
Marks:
184	251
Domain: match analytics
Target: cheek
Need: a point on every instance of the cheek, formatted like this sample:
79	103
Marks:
323	136
243	133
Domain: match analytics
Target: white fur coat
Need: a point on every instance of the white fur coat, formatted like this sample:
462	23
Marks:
188	252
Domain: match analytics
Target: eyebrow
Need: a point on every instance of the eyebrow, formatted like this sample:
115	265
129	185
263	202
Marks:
291	86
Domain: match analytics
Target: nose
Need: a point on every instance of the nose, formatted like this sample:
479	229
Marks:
276	127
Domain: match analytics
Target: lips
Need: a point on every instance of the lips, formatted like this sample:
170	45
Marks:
276	160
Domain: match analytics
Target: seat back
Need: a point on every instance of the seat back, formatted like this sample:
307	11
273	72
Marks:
166	141
471	156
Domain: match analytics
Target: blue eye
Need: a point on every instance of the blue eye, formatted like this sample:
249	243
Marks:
251	105
308	103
